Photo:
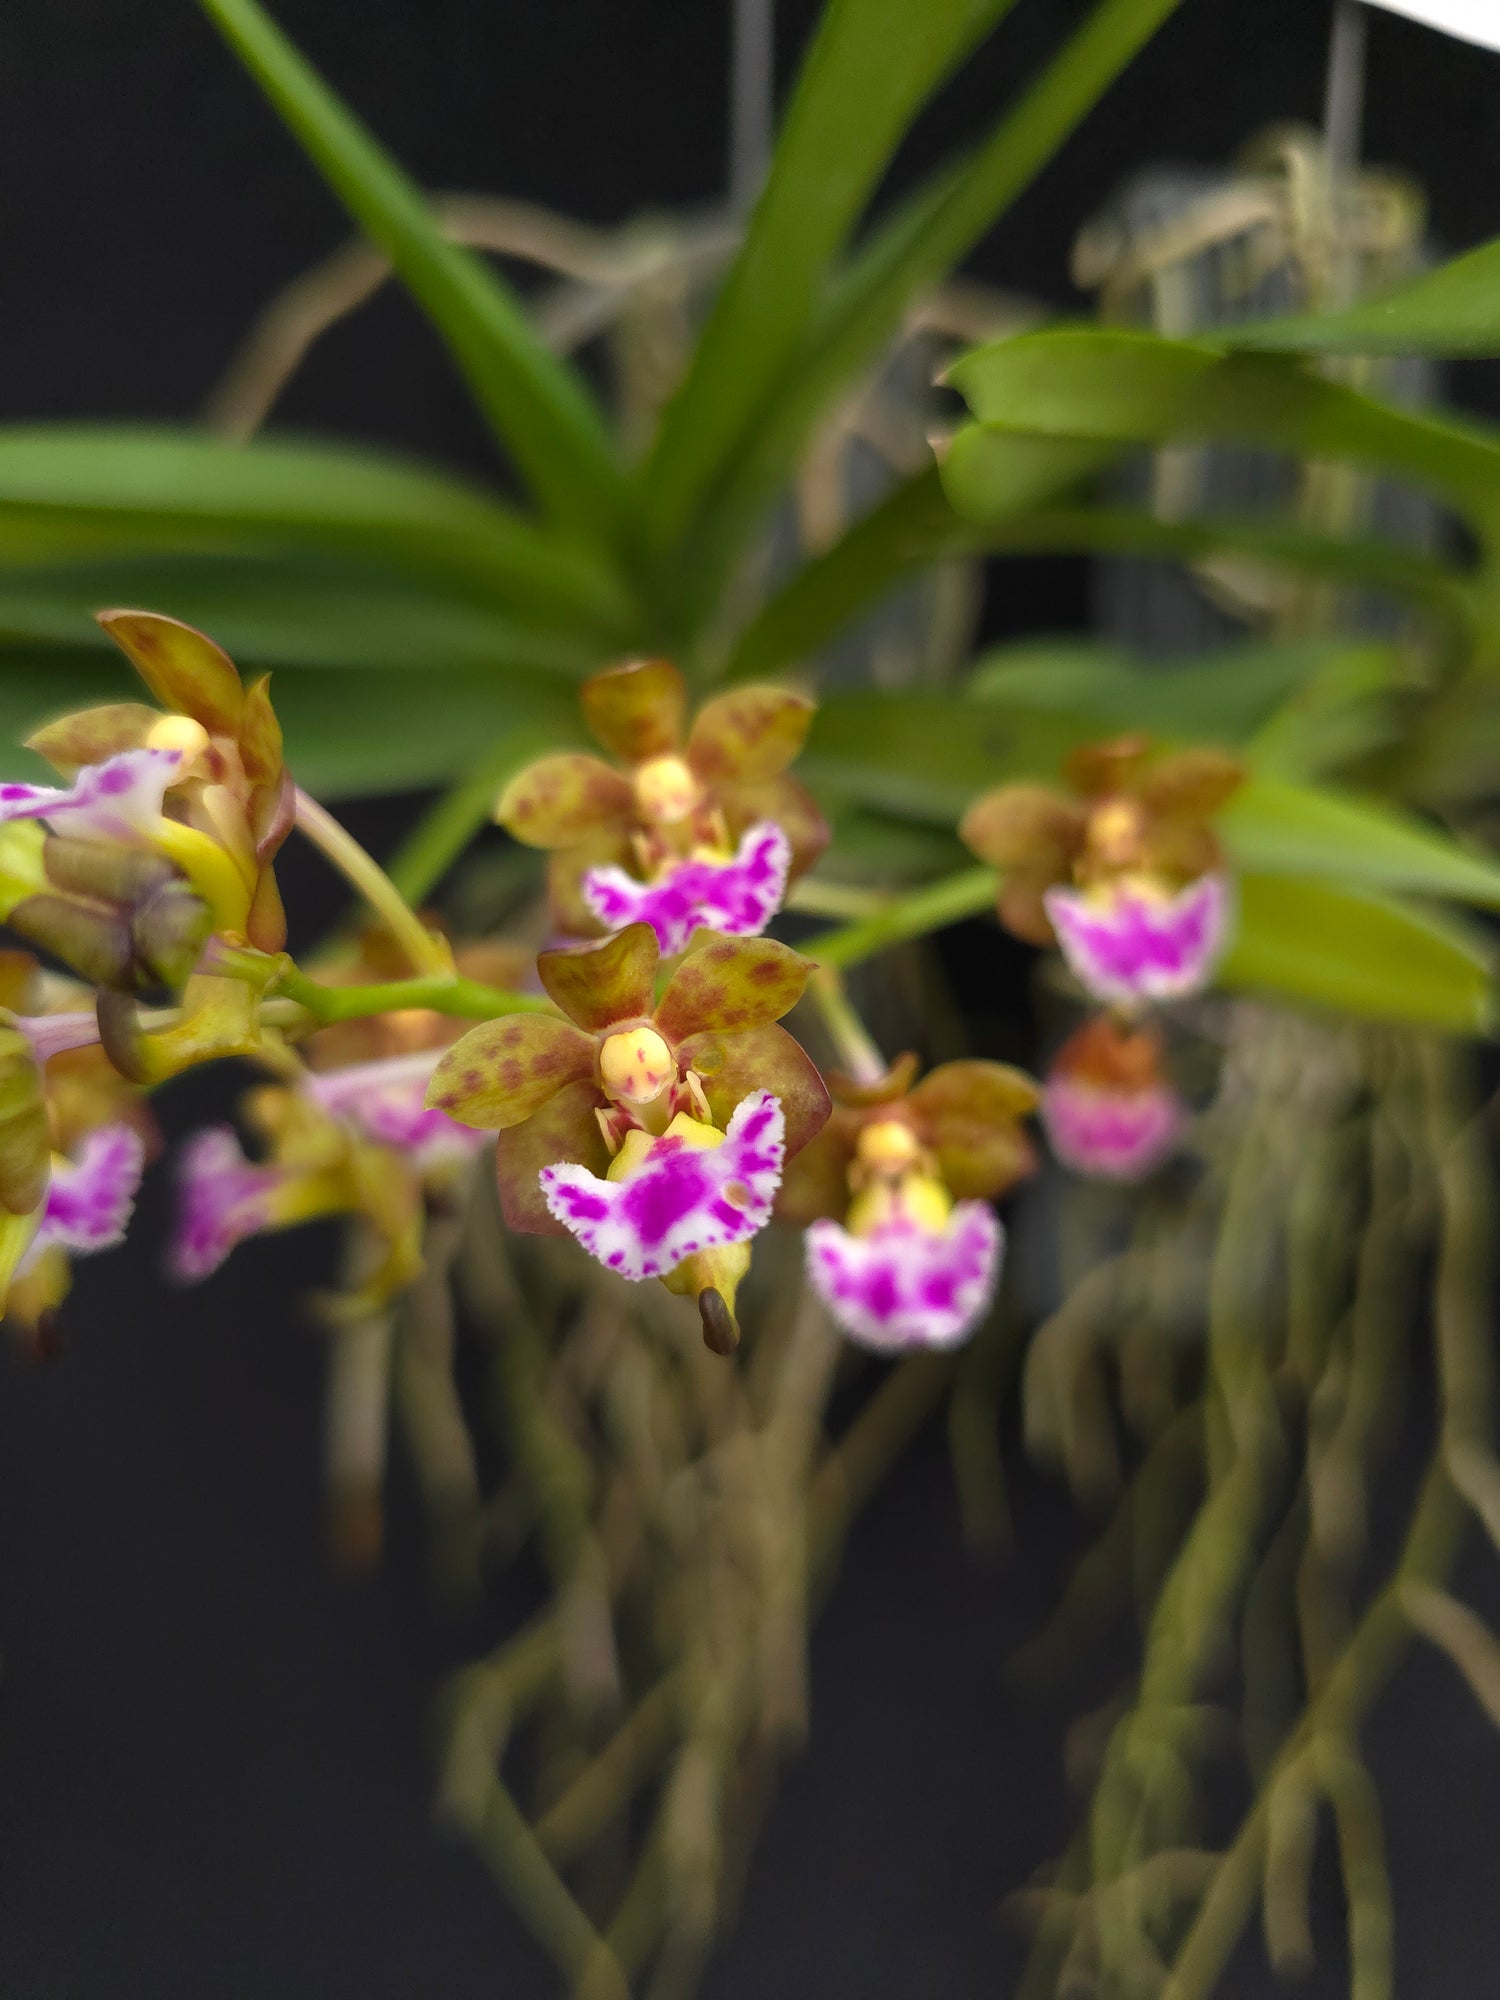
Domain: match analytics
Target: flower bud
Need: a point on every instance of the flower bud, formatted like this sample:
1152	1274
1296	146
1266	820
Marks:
170	930
93	942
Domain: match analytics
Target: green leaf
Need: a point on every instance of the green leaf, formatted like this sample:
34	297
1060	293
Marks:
93	490
926	755
1110	388
1224	697
537	405
871	67
1452	310
286	611
915	527
1273	827
1361	953
905	255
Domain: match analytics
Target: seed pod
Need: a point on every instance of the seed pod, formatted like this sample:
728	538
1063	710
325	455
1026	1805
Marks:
25	1143
721	1333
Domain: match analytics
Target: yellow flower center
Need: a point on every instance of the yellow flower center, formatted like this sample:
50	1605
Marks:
1115	832
636	1066
635	1147
666	791
915	1197
887	1146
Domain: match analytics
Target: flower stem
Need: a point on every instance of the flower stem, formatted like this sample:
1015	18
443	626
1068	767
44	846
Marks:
443	992
852	1041
932	908
427	953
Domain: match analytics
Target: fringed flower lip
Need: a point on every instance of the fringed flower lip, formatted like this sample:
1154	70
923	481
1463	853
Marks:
675	794
223	1198
117	800
905	1285
1131	943
1108	1108
690	1191
736	897
90	1199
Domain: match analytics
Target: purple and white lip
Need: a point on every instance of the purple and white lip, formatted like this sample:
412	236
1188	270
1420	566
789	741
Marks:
1130	943
903	1286
737	897
90	1199
681	1199
118	800
1104	1134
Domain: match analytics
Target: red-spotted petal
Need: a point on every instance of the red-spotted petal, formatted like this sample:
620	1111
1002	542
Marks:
902	1286
636	711
1129	942
503	1070
680	1200
90	1199
751	733
119	799
564	1129
732	983
563	799
599	984
764	1058
737	898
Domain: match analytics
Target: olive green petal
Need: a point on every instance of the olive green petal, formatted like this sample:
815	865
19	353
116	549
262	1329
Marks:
181	666
750	734
501	1072
636	711
93	734
1023	826
597	985
786	802
816	1182
731	1066
731	983
560	800
565	1128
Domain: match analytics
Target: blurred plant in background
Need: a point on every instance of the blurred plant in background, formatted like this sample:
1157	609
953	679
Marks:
1256	864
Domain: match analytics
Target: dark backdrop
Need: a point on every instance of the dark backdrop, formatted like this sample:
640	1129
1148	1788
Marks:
214	1762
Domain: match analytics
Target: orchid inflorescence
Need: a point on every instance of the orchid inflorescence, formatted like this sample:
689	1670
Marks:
645	1097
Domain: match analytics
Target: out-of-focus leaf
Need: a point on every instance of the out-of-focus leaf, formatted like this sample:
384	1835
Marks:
925	755
1361	953
1452	310
915	526
537	405
1224	697
1112	387
908	253
1348	706
287	611
81	491
871	67
1273	827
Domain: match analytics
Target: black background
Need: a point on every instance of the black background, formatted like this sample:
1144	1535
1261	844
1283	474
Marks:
215	1771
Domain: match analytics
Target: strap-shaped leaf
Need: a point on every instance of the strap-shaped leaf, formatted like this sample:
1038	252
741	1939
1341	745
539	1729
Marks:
1272	826
1361	953
871	67
286	610
1452	310
538	407
1108	388
916	527
906	254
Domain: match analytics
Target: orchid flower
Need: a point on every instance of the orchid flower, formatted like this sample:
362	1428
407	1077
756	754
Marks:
355	1141
1126	877
898	1260
653	1130
1108	1110
693	828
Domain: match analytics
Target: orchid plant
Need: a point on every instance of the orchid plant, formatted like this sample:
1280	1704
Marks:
660	1154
